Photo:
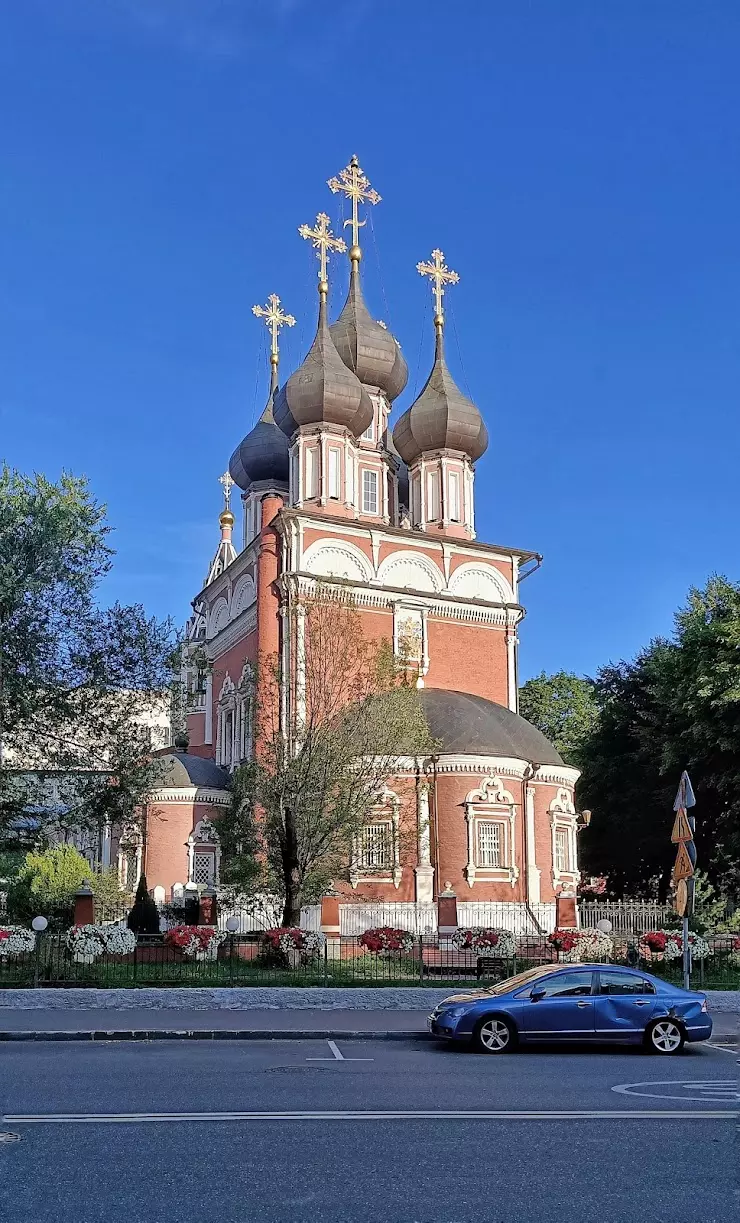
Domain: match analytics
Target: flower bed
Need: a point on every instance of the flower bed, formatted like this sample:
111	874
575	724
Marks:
384	940
292	940
582	946
662	945
196	942
16	940
734	951
484	941
87	943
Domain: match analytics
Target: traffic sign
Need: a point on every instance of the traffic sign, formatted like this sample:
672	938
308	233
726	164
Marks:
681	827
685	795
682	868
681	898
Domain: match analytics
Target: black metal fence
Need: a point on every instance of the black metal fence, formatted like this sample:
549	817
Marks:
246	960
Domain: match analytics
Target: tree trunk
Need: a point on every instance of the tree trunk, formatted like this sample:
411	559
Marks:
292	882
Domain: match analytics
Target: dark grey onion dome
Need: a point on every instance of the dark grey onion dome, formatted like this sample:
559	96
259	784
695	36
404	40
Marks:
471	725
365	347
263	454
322	390
442	418
183	771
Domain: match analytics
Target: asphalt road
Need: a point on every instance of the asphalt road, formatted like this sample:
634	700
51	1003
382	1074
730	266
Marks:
662	1148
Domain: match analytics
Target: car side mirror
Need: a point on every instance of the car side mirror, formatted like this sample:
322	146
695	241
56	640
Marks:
536	993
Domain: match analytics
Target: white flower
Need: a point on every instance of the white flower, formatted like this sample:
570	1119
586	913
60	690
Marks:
16	940
88	943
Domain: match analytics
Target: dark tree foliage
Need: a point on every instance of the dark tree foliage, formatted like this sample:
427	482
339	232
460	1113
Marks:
144	915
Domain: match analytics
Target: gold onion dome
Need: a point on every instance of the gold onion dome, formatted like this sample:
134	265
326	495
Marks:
442	418
323	390
364	346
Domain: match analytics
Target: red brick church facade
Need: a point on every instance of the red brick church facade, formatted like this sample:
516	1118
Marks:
332	494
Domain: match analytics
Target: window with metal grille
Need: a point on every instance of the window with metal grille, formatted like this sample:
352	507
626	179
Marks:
204	866
375	847
490	843
562	850
369	492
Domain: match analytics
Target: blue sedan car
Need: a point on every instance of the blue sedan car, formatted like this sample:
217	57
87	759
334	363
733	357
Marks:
575	1002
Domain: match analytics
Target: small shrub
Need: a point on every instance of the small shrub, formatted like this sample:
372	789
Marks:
144	915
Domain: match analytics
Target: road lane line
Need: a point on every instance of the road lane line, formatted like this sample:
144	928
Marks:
420	1115
337	1056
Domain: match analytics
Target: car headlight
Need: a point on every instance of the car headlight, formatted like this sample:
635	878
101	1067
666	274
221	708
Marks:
454	1012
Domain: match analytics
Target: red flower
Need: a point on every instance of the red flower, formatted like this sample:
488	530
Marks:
655	940
564	940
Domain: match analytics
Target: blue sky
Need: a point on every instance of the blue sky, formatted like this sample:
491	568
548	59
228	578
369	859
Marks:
576	161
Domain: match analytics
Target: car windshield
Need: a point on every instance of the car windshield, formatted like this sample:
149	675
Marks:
521	978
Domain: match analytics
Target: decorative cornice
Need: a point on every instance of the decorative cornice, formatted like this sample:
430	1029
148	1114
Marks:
190	794
556	775
234	632
450	607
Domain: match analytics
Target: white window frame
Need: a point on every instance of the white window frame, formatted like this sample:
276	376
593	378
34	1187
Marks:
499	845
312	472
204	840
434	507
491	803
386	813
333	473
563	819
455	514
369	479
369	434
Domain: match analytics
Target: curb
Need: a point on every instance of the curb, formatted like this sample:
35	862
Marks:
141	1034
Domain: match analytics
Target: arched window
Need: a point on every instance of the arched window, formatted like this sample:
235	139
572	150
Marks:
226	724
564	841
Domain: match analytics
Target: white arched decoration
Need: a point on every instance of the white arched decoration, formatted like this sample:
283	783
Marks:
564	840
130	855
478	581
244	595
411	570
337	561
204	855
218	617
376	850
226	723
490	815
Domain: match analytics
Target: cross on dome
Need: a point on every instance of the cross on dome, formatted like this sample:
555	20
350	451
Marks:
275	318
353	183
440	275
228	484
323	241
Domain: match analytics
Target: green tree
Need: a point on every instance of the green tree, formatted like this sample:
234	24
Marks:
323	763
75	679
563	706
676	706
48	880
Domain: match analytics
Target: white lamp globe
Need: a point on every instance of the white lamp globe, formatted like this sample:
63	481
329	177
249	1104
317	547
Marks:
604	925
232	924
39	924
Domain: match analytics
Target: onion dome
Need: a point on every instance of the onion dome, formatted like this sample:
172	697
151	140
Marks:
322	390
365	347
442	418
263	454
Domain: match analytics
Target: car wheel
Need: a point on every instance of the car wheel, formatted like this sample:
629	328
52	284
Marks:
665	1036
494	1035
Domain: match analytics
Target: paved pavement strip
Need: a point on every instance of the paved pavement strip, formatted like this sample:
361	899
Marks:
392	1115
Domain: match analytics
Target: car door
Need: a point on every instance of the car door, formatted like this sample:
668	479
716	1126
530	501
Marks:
559	1007
624	1003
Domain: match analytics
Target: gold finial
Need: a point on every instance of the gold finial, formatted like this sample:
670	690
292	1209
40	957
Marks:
440	276
228	484
275	318
356	186
323	241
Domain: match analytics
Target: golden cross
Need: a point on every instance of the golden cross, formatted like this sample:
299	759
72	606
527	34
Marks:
228	484
356	186
440	275
274	318
323	241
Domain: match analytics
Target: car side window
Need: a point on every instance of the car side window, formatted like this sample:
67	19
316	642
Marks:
624	983
566	985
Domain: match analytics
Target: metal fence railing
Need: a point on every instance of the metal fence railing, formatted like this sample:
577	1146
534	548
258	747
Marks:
246	959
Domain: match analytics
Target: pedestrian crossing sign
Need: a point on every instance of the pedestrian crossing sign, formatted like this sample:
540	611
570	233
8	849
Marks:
683	868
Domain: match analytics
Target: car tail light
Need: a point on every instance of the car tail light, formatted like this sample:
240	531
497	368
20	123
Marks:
704	1006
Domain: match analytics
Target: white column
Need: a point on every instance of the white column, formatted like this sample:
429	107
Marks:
208	731
512	694
533	871
424	872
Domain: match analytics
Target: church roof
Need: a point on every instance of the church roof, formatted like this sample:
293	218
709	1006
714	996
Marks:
442	418
182	771
471	725
263	453
366	348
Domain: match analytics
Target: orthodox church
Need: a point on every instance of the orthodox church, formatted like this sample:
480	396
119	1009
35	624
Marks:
332	492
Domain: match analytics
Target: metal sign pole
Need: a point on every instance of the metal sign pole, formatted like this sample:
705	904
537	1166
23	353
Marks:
683	871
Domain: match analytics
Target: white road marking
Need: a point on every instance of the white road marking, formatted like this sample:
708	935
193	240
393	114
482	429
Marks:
572	1115
716	1090
338	1057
